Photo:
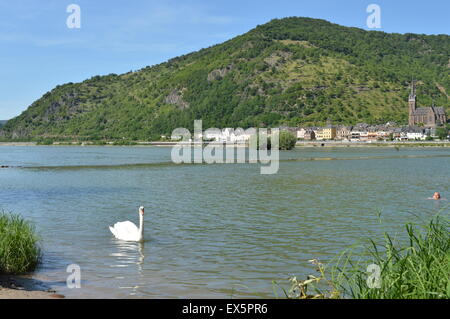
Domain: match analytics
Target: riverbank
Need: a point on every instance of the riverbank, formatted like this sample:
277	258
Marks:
23	287
20	253
301	144
374	144
18	143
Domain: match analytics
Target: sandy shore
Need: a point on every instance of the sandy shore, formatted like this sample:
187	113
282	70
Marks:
17	143
23	287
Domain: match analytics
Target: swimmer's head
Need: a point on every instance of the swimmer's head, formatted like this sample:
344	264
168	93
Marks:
437	195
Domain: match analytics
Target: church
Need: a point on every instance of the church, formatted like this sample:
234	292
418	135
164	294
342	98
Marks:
428	116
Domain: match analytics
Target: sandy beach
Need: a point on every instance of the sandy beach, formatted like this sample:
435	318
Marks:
23	287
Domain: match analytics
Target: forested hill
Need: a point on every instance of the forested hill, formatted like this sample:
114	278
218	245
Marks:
287	72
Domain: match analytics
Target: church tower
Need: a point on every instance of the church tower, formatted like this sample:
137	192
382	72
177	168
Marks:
412	103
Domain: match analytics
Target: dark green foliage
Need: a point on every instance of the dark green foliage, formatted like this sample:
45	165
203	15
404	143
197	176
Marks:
124	143
287	72
287	140
45	141
442	133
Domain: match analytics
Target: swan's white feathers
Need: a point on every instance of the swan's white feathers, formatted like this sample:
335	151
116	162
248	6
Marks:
126	228
113	231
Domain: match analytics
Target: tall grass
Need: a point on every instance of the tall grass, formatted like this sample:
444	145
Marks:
19	245
418	269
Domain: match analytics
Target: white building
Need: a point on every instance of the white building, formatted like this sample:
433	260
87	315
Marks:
416	136
301	133
359	136
227	135
402	136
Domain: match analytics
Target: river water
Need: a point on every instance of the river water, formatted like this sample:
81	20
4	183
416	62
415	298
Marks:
211	231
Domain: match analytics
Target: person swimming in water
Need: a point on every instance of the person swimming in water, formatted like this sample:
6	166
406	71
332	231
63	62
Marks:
437	196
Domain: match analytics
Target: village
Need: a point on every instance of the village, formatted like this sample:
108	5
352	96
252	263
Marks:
424	123
366	133
359	133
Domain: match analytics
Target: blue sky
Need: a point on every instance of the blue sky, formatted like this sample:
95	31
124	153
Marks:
38	51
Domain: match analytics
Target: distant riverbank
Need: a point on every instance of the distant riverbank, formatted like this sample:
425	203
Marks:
18	143
374	144
299	144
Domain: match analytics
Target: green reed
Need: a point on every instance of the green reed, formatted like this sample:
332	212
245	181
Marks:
417	269
19	245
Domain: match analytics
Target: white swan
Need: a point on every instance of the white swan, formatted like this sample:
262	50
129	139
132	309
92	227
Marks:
128	231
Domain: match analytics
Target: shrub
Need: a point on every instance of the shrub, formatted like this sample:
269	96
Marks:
124	143
46	141
442	133
98	143
287	140
19	245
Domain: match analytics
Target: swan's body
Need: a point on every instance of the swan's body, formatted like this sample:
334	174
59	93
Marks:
128	231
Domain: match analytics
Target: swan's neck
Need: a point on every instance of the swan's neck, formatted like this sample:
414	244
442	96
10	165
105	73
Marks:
141	225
